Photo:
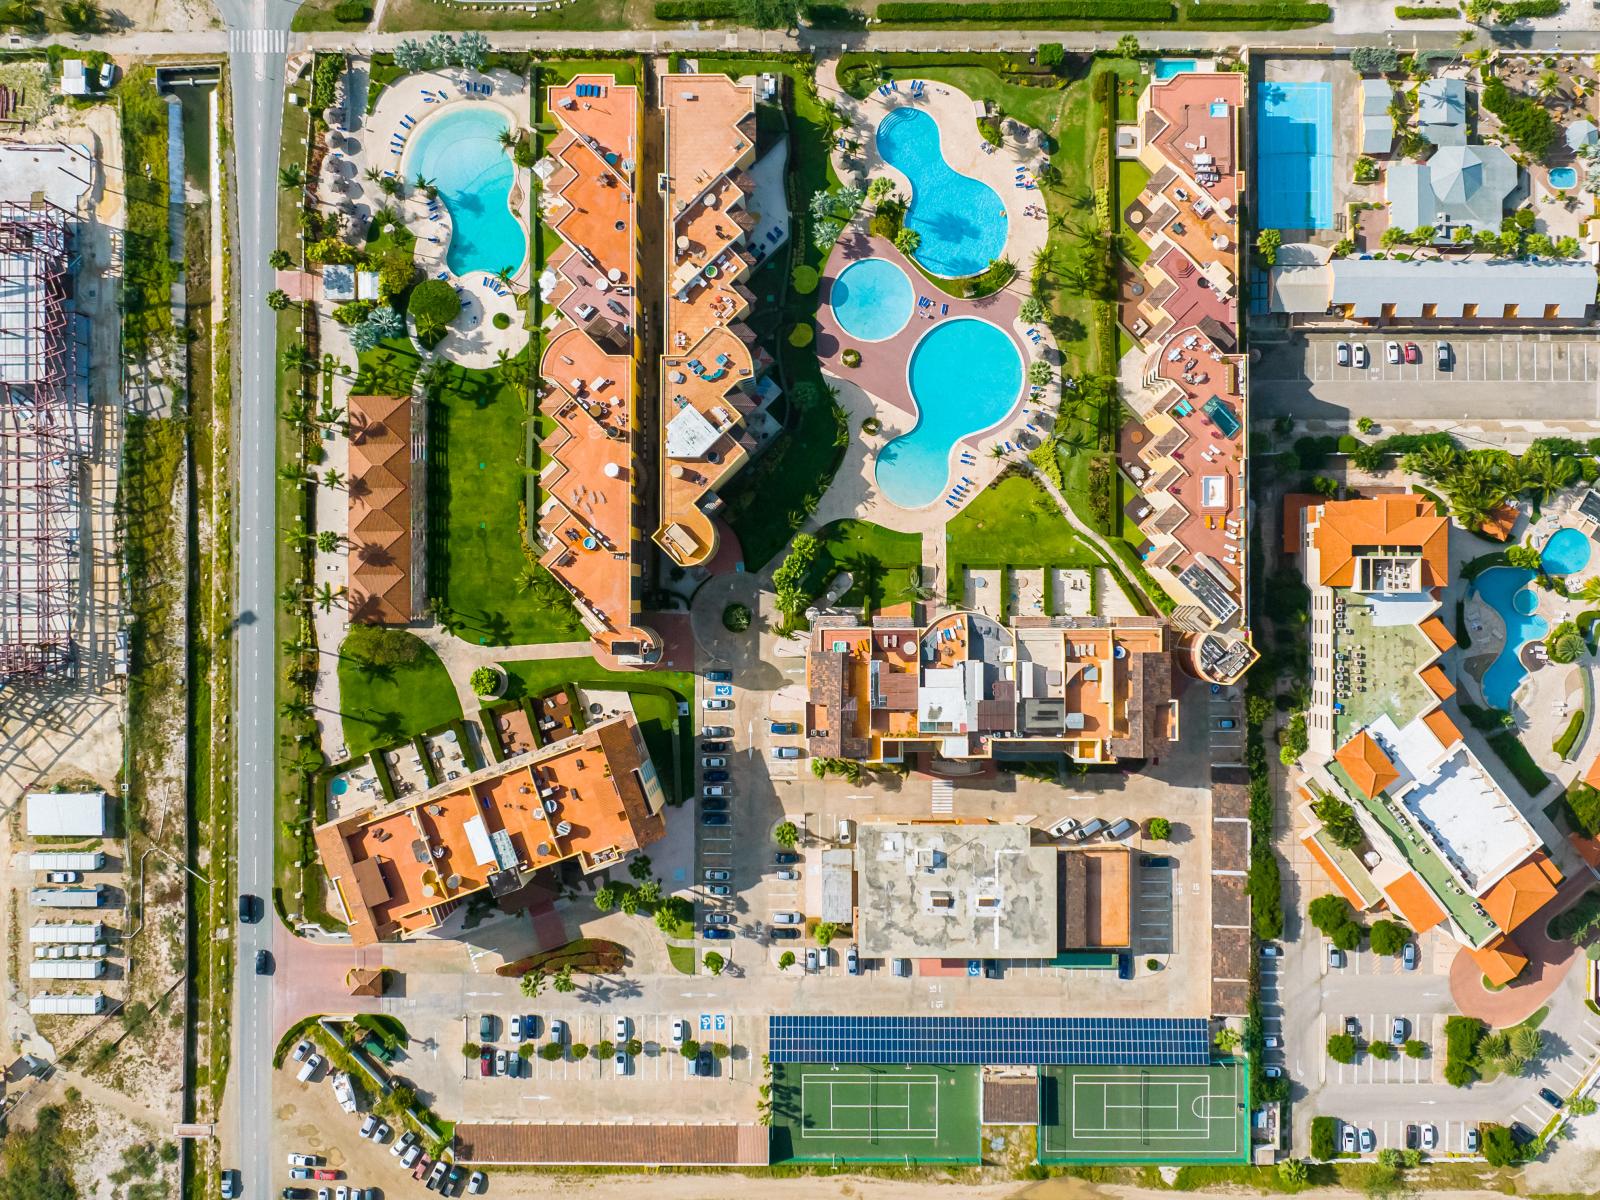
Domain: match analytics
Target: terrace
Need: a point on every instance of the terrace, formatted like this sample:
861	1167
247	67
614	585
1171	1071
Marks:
1379	643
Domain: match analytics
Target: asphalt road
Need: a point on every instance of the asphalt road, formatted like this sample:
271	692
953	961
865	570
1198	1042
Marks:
257	41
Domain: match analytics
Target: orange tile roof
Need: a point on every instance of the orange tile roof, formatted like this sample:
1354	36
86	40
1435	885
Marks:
1367	765
1501	960
1435	631
1438	682
1502	519
1592	775
1348	528
1294	504
1443	727
1413	901
1588	849
1332	871
380	509
1523	892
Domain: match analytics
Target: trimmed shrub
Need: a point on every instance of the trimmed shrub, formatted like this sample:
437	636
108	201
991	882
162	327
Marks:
434	303
1582	804
1410	12
352	12
804	279
910	12
800	336
1564	743
500	321
695	10
1324	1137
1283	11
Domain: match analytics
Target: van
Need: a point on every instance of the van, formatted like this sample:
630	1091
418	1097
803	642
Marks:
902	967
786	752
1121	830
847	831
1063	827
1085	832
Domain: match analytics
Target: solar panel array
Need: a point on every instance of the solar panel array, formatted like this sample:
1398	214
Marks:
992	1041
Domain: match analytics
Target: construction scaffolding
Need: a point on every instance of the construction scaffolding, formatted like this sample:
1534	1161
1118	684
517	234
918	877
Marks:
44	434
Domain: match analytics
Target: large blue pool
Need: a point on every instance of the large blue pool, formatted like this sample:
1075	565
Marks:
1506	590
1294	156
1166	68
961	220
965	376
871	299
1566	551
460	151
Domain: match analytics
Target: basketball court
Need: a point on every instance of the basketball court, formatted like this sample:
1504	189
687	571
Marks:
1143	1114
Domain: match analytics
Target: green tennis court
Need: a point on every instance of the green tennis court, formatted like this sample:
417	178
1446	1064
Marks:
868	1113
1144	1114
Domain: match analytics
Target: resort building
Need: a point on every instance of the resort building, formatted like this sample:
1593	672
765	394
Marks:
1377	126
1444	843
587	522
710	360
1186	451
400	869
966	687
1311	287
385	579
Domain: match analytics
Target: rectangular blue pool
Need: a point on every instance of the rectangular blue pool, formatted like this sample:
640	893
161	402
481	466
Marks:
1294	156
1166	68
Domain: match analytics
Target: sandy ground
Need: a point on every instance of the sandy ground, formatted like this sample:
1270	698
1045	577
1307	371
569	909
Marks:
179	16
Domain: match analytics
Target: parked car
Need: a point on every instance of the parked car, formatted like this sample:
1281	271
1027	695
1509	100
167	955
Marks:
1550	1098
789	727
716	703
788	873
403	1143
304	1160
717	747
500	1061
1398	1030
785	858
1430	1137
716	777
1408	957
786	752
1341	353
852	961
811	958
622	1029
715	820
420	1165
621	1059
787	918
436	1176
1271	951
516	1029
719	918
716	731
706	1063
452	1179
717	934
719	889
1413	354
299	1172
1273	1072
783	935
680	1031
1472	1139
476	1182
1272	1042
717	874
1413	1137
108	73
263	962
720	805
1391	351
382	1132
1368	1141
1227	723
713	760
1352	1027
486	1062
301	1050
1444	356
558	1032
1361	356
486	1028
1335	957
325	1173
1521	1134
294	1193
1063	827
715	789
901	967
719	676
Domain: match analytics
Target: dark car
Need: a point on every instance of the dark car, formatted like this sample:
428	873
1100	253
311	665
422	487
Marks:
785	726
1446	356
705	1063
1521	1134
714	804
486	1027
784	858
1154	861
991	969
1550	1098
293	1193
717	747
249	908
782	934
263	962
1352	1027
230	1184
715	819
717	776
1413	1138
720	676
716	934
486	1061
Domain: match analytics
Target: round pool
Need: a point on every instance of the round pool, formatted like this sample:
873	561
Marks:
341	786
965	376
871	299
1563	177
1566	551
961	220
460	152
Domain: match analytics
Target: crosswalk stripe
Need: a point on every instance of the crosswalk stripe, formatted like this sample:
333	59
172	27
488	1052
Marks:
258	41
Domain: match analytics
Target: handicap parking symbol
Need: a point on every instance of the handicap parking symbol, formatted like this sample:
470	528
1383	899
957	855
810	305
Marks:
705	1022
722	1022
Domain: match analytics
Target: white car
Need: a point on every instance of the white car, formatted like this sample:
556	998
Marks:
1430	1137
713	760
1361	356
341	1193
301	1051
476	1182
409	1158
303	1160
787	918
62	877
1391	351
622	1029
403	1143
622	1060
680	1030
369	1126
716	703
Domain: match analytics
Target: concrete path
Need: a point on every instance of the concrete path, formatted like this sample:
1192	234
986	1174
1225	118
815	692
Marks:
461	658
1548	964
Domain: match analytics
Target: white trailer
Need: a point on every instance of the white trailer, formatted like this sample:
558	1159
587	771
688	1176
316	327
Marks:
66	860
68	897
81	932
74	1004
67	968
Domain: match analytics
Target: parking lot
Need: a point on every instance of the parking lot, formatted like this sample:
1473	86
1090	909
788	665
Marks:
1493	376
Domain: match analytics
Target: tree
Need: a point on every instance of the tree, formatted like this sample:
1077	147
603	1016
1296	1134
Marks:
1388	937
1226	1040
550	1051
83	16
628	901
327	541
825	233
719	1050
1292	1173
1128	46
1415	1048
649	893
410	56
533	984
277	299
767	14
825	932
579	1051
1342	1048
786	835
1160	829
1527	1042
1545	473
279	260
1339	819
291	176
804	279
1040	372
605	1048
1583	1106
1548	83
1267	243
634	1047
1499	1147
563	982
1381	1050
472	49
605	897
786	960
690	1048
907	241
471	1050
1032	311
640	867
485	681
715	962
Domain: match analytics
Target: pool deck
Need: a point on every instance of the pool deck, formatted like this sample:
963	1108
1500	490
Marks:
472	341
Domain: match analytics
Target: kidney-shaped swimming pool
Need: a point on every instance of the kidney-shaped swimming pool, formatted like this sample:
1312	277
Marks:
460	151
961	220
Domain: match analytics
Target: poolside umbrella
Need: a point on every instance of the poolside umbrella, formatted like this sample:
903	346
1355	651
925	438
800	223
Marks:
1581	134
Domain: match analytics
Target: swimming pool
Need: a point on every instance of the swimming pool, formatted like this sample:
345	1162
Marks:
1565	552
871	299
1563	177
1294	156
460	151
1506	590
961	220
965	376
1166	68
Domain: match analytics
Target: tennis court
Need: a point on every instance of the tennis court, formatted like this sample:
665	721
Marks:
1294	155
1144	1114
870	1113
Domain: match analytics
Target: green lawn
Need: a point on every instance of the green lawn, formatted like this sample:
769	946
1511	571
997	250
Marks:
1013	523
656	696
884	564
404	15
391	687
1131	178
477	434
316	16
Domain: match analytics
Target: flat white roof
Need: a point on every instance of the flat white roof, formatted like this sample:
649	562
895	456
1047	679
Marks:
1471	819
690	434
66	814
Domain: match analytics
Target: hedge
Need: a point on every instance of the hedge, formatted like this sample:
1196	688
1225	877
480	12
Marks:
1563	744
911	12
352	12
1461	1037
1324	1137
694	10
1519	762
1408	12
1283	11
1517	10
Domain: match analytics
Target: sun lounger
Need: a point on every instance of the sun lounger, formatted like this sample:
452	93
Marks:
944	310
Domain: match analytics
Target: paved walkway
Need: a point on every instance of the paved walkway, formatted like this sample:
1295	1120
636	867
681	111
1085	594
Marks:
461	658
1548	964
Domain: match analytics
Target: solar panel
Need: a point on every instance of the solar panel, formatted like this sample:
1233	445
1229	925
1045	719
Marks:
992	1041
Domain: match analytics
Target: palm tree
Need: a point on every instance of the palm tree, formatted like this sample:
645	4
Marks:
332	477
291	176
529	577
508	138
296	537
328	541
328	596
1548	83
373	174
290	597
1436	461
295	708
290	473
1546	474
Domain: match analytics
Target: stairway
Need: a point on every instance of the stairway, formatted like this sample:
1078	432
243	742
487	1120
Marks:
944	798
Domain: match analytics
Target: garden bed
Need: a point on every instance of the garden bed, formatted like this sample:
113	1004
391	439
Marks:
587	956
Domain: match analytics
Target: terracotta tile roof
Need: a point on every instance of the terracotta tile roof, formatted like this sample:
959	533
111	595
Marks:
1347	528
1592	775
1331	870
1435	631
1367	765
380	509
1502	519
1411	899
613	1144
1443	728
1501	960
1523	892
1588	849
1010	1101
1438	682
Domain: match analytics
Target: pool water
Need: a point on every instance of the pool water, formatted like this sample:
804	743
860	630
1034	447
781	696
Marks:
871	299
1294	156
961	220
1563	177
1506	590
965	376
1166	68
460	151
1567	551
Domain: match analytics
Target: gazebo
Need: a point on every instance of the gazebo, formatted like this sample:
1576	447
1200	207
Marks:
1581	134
